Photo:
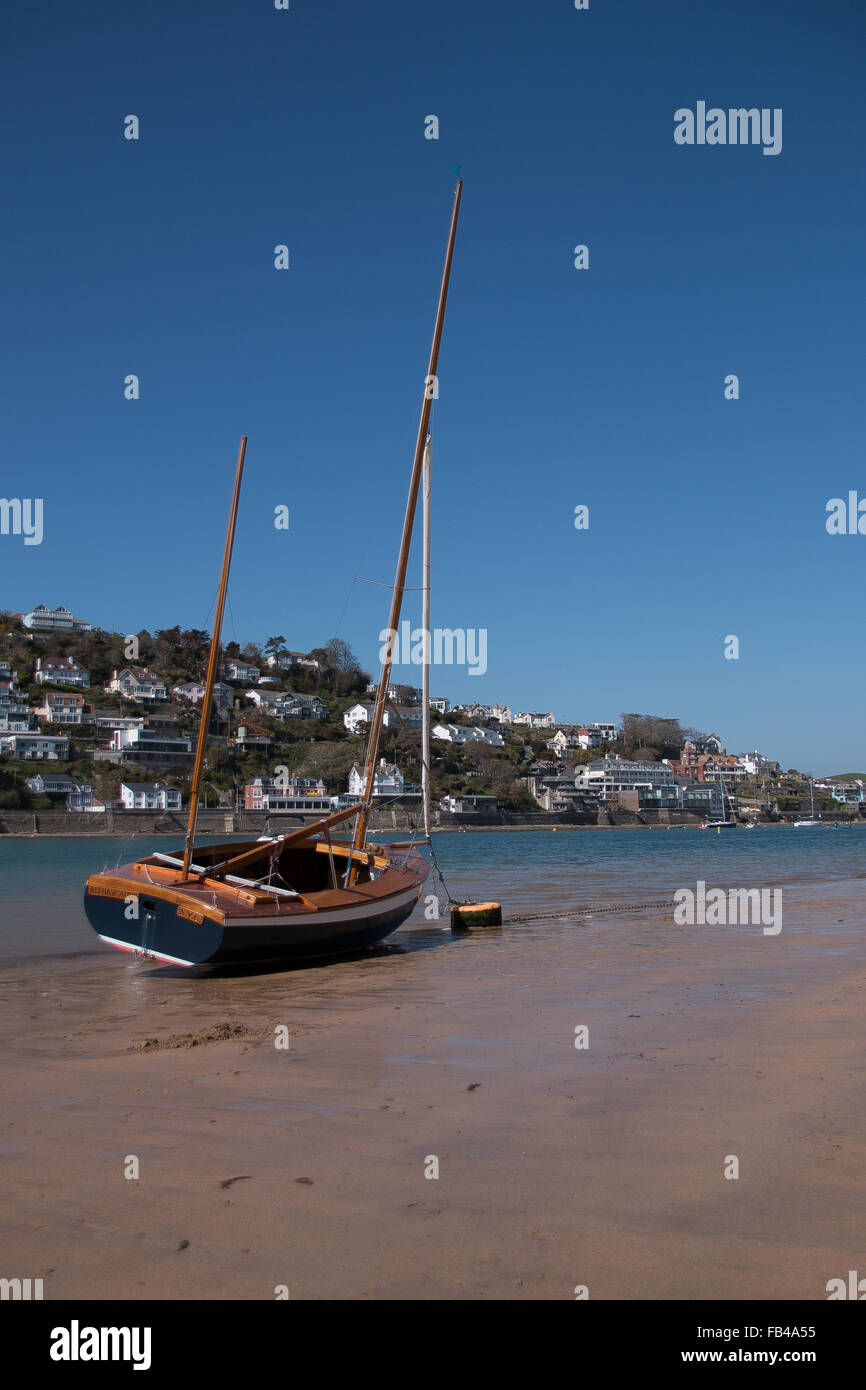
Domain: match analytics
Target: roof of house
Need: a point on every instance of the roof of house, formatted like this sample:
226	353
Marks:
148	787
65	783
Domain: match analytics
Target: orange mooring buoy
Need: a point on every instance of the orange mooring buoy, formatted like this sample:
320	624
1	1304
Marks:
475	916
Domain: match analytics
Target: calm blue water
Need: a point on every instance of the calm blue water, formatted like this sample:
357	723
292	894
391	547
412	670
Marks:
42	880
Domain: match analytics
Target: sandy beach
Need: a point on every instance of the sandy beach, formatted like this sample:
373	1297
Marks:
558	1166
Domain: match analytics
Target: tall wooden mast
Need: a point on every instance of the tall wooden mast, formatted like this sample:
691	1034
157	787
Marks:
425	627
405	543
207	702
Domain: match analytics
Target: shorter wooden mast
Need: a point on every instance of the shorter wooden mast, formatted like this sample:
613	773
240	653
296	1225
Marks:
210	679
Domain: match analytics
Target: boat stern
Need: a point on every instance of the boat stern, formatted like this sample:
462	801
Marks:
151	922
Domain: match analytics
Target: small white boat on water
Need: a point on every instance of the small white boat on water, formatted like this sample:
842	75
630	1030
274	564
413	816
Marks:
726	822
802	824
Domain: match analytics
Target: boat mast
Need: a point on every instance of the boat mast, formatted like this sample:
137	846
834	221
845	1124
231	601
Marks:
403	557
425	627
207	701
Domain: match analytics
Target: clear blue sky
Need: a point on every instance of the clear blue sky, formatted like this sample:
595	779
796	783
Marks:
558	387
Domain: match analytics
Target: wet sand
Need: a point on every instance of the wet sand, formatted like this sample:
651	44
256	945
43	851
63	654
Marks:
558	1167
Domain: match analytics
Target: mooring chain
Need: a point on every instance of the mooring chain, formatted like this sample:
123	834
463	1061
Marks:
435	864
585	912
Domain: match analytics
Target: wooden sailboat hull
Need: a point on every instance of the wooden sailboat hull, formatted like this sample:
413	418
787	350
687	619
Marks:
189	925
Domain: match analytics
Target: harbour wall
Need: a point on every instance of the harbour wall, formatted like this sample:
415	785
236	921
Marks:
395	818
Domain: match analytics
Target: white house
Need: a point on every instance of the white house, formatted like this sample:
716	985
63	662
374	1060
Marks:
53	620
475	711
154	746
240	671
756	765
135	683
15	712
401	716
285	661
470	805
283	704
109	721
78	795
149	796
458	733
606	776
60	708
190	690
534	720
502	714
60	670
387	780
847	792
223	695
602	733
398	693
15	724
358	714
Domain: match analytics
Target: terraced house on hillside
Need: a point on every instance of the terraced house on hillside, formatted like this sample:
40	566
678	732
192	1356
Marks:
78	796
61	670
135	683
156	747
35	746
284	661
60	708
284	704
291	794
394	717
239	671
44	619
223	695
149	796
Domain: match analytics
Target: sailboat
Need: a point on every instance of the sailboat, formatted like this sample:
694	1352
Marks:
811	819
302	895
726	822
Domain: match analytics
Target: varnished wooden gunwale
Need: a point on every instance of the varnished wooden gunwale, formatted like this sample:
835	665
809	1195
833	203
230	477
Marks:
219	901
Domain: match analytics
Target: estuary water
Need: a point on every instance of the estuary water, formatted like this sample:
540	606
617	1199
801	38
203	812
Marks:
541	871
